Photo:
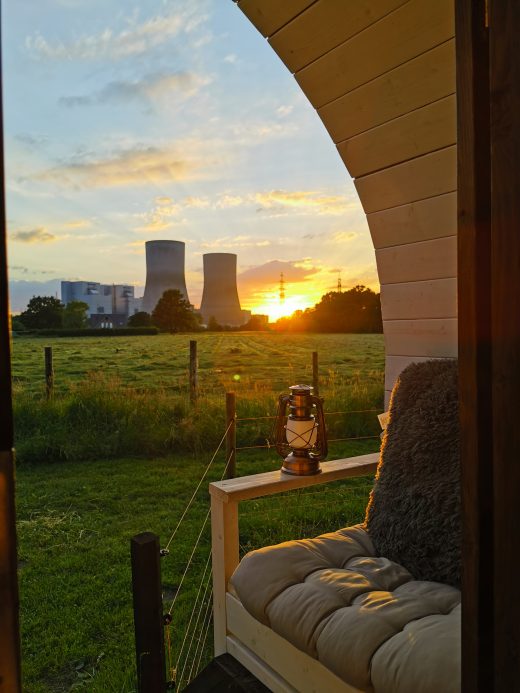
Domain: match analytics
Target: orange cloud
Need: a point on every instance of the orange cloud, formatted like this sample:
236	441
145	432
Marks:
187	160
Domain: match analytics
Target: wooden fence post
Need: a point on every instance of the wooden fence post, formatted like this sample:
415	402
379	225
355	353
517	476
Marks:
148	613
49	372
231	436
315	374
194	365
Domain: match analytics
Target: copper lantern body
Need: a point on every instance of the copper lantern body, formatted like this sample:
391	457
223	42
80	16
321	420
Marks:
300	437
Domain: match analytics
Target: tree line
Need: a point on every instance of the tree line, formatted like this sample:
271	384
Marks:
355	310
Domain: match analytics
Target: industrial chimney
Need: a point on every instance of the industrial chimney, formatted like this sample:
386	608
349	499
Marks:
164	270
220	296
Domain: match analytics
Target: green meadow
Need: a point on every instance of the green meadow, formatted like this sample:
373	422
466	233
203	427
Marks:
129	396
246	362
119	450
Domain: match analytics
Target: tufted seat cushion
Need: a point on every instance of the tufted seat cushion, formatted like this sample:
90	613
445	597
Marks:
362	616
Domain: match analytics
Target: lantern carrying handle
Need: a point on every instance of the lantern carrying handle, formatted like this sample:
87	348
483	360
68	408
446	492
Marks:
320	414
283	401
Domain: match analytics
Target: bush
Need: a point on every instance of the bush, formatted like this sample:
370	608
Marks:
140	319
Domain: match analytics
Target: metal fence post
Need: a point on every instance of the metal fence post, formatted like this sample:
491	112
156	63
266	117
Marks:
194	365
49	372
231	436
315	374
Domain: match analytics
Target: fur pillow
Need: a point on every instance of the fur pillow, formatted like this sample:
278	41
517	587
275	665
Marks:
413	516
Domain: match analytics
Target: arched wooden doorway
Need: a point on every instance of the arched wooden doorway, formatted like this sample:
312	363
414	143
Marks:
381	75
409	198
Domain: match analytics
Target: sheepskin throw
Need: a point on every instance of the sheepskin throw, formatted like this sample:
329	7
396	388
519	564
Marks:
413	516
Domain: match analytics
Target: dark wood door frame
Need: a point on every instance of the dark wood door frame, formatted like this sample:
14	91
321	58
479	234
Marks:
474	328
504	71
488	93
488	96
10	677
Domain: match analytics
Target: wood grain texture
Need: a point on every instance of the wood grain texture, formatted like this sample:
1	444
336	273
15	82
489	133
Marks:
504	71
224	552
268	483
256	666
433	298
427	176
434	338
422	131
414	262
10	679
395	364
10	654
424	220
412	29
427	78
270	15
325	25
304	673
475	334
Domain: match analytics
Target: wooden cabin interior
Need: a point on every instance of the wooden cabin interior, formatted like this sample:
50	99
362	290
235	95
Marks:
422	100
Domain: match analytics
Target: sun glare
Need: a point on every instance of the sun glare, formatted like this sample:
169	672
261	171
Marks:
272	307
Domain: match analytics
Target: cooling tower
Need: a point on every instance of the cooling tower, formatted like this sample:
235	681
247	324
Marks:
220	296
164	270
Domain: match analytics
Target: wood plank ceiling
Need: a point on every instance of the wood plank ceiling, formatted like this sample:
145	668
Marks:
381	75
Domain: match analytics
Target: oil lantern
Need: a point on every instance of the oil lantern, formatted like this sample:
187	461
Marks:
300	437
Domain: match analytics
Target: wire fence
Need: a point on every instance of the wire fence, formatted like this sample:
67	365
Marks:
307	512
271	443
186	664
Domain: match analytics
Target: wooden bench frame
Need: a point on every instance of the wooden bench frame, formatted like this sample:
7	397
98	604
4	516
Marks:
272	659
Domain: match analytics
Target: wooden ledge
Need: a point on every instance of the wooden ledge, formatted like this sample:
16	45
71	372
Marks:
268	483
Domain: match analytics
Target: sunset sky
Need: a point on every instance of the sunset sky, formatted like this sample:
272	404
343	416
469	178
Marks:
168	119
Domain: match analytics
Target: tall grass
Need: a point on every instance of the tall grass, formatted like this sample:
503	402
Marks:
102	417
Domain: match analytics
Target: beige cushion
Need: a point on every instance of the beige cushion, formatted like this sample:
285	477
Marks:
362	616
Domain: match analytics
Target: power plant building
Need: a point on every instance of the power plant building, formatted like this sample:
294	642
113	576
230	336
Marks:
164	270
220	295
108	304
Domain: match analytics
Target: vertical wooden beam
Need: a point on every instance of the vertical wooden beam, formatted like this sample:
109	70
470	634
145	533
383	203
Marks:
504	71
10	677
10	681
49	372
148	613
231	436
475	340
194	366
474	325
224	543
315	374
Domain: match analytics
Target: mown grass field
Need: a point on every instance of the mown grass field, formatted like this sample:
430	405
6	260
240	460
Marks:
78	508
241	361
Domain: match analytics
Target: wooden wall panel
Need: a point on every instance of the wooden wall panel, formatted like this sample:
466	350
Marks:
427	78
422	131
433	298
426	176
424	220
270	15
378	49
434	338
395	364
414	262
325	25
382	74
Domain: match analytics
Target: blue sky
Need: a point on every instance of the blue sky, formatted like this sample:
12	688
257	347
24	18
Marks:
128	122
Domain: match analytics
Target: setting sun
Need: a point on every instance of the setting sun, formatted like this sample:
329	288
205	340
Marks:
272	306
